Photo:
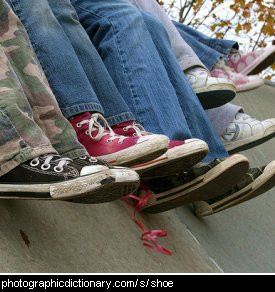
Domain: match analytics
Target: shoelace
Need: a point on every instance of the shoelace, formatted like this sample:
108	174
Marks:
95	123
148	236
139	130
48	159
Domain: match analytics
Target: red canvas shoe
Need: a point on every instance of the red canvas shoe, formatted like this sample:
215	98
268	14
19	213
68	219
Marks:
101	141
180	156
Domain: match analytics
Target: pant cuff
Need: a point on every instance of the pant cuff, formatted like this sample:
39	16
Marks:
121	118
75	153
25	155
71	111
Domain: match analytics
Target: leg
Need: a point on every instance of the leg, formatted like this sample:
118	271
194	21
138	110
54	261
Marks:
21	139
182	50
220	45
197	119
46	112
57	57
115	108
118	31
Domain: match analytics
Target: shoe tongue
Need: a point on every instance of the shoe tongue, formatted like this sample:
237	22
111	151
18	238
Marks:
124	124
81	117
118	128
175	143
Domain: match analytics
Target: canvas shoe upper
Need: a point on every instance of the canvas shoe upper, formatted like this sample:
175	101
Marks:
212	91
242	82
245	132
54	177
180	155
253	62
102	142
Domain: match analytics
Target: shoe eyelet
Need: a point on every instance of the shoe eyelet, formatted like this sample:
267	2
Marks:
125	129
78	125
92	159
58	169
87	132
34	163
119	142
45	166
109	141
135	134
83	157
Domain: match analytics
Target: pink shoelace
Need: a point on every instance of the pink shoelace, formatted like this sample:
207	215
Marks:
149	237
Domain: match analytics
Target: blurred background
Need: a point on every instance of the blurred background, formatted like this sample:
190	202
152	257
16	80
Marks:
249	22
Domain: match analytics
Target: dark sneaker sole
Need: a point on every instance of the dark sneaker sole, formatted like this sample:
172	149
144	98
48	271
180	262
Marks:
262	184
215	98
218	180
92	189
172	167
251	144
108	193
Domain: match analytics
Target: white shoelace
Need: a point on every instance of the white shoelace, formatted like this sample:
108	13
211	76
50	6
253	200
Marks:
62	161
139	130
95	123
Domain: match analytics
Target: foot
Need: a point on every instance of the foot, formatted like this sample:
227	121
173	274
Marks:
212	92
256	182
202	181
53	177
245	132
241	81
102	142
180	156
251	63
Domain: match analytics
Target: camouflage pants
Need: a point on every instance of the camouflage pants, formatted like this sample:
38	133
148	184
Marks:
31	123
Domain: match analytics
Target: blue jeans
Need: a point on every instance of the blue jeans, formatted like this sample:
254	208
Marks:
208	49
71	63
137	53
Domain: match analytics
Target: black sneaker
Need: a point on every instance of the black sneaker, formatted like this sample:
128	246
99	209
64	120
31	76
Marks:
54	177
202	181
122	181
256	182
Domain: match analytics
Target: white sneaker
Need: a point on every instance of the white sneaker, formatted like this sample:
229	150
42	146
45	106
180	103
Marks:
212	92
245	132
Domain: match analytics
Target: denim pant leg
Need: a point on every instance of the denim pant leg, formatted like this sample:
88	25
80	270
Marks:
64	72
209	50
196	117
120	35
184	54
115	108
221	45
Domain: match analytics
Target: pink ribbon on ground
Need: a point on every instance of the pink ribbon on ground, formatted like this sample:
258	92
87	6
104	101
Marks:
150	236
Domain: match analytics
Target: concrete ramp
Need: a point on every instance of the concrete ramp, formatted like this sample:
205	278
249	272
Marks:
63	237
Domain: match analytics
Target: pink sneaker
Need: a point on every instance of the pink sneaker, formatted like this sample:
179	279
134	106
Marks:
180	156
101	141
241	81
252	63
